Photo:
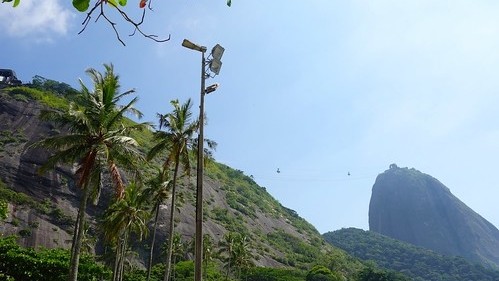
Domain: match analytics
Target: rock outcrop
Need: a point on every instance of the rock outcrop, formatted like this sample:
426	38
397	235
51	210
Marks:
414	207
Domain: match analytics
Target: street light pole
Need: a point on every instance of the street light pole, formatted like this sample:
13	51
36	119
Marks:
198	253
214	64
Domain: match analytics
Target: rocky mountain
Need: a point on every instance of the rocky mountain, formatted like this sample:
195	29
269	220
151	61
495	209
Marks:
419	263
42	207
414	207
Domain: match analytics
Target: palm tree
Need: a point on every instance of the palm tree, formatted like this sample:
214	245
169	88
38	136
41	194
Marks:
207	253
242	256
178	250
238	252
227	246
158	192
176	140
123	218
98	139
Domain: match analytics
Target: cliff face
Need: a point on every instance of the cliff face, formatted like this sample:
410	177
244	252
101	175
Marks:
19	127
414	207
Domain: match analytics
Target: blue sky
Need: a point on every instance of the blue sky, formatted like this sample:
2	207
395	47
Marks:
315	88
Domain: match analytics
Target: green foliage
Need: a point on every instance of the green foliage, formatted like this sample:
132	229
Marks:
20	263
19	198
60	217
322	273
136	274
246	196
20	97
4	211
4	277
183	271
372	274
81	5
298	252
25	233
45	207
46	98
273	274
54	87
11	137
416	262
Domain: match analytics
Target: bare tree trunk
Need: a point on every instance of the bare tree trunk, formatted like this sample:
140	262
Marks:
78	236
149	265
228	268
117	257
119	260
172	221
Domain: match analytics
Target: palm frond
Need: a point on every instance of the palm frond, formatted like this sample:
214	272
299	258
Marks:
119	187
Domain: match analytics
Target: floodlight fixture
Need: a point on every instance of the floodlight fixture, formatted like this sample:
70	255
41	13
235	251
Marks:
215	66
189	45
211	88
217	52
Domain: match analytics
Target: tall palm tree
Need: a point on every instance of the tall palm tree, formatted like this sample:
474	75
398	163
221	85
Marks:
242	256
207	253
176	140
98	139
158	192
227	245
123	218
178	251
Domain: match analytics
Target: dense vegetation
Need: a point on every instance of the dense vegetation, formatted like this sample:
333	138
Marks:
419	263
129	216
17	263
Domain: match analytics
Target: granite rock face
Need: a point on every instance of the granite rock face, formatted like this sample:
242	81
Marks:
414	207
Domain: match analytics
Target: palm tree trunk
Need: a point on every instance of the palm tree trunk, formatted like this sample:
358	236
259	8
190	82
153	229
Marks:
149	265
119	260
228	268
124	246
78	236
172	216
117	257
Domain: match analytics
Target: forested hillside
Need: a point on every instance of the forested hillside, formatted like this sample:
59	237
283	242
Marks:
416	262
248	234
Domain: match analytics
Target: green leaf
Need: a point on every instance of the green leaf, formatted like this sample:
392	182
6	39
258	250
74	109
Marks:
122	2
16	2
229	3
81	5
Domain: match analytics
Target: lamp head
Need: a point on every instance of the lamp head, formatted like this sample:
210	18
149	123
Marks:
211	88
189	45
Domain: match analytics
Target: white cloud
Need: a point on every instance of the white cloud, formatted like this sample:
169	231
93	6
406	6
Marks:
40	20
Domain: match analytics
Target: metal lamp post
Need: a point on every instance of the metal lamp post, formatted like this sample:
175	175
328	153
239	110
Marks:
214	64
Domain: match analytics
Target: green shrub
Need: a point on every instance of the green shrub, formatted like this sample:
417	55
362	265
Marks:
4	210
21	97
48	98
322	273
272	274
29	264
25	233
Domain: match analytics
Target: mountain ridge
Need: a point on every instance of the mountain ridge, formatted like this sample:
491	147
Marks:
411	206
419	263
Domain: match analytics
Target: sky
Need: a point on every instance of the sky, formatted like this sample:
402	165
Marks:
318	89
